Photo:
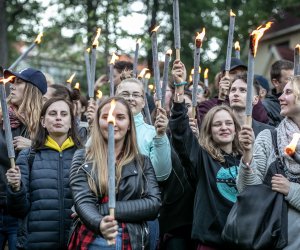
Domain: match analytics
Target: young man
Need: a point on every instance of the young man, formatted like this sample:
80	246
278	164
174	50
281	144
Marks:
237	101
280	73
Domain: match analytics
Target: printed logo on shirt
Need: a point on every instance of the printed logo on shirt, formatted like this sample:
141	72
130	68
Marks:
226	182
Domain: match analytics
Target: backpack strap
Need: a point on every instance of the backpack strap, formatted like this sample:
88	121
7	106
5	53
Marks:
31	157
281	169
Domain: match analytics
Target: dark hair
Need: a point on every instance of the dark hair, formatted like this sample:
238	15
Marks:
63	92
278	66
206	92
42	132
123	65
243	76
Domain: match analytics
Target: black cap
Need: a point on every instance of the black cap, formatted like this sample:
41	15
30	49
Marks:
234	64
263	82
30	75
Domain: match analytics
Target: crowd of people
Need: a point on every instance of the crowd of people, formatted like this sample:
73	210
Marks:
177	178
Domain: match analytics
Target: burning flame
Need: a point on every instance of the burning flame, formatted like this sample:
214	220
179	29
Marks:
39	38
231	13
88	50
237	45
138	41
77	86
113	58
192	71
142	73
155	29
256	35
297	48
111	118
99	94
291	148
190	78
169	52
96	42
147	76
151	86
8	79
206	73
71	78
199	38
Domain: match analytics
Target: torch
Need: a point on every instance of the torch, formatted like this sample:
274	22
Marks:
198	44
7	127
70	80
237	50
142	73
136	55
146	81
111	161
291	148
36	41
206	77
255	36
176	24
165	77
88	67
93	63
156	66
111	74
297	60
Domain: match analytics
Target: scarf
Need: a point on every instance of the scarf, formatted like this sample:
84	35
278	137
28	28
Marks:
13	119
285	132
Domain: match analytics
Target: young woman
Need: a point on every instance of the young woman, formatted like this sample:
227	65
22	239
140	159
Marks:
24	106
137	192
39	186
258	158
213	163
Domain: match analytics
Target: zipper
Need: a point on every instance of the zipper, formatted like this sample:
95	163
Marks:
61	199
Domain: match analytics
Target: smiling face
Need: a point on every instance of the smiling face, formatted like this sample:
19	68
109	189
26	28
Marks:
132	92
289	106
122	121
57	119
223	129
17	89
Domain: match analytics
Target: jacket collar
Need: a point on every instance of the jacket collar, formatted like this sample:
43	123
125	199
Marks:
138	119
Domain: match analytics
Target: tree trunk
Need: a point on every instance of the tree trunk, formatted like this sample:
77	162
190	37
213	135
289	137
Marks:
3	35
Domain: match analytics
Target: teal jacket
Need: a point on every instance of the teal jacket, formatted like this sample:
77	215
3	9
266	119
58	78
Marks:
155	147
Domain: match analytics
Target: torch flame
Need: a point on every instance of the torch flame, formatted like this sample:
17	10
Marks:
297	48
71	78
142	73
6	80
192	71
88	50
231	13
96	42
291	148
206	73
77	86
256	35
169	52
147	76
39	38
155	29
113	58
199	38
111	118
139	41
151	86
99	94
237	45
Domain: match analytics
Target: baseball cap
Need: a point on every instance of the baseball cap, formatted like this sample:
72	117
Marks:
263	82
30	75
235	62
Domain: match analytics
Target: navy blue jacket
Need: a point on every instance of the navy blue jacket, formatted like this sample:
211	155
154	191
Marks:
45	197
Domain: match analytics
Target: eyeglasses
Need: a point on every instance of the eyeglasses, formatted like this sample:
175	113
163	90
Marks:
134	95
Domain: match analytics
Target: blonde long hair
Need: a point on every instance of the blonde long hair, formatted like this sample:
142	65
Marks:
97	151
206	139
30	109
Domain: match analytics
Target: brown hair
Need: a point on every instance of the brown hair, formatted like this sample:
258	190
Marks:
97	151
206	139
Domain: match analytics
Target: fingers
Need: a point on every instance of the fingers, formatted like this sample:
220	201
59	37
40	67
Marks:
109	227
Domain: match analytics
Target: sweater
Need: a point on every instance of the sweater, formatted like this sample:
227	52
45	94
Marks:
263	156
215	187
156	148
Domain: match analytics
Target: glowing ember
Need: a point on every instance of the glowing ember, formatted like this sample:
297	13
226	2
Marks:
231	13
96	42
77	86
39	38
99	94
256	35
151	86
206	73
113	58
111	118
237	45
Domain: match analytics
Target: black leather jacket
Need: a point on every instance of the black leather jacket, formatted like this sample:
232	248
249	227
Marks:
138	198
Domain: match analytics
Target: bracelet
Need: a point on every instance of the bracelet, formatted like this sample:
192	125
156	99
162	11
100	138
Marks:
180	84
